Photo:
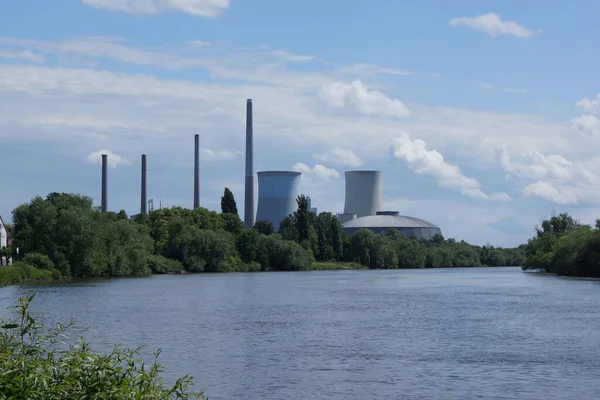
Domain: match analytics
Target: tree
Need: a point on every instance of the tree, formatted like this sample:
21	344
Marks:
302	218
228	205
264	227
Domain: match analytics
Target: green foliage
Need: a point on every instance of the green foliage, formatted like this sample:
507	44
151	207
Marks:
302	218
32	369
264	227
565	247
228	205
38	260
232	223
21	272
163	265
332	266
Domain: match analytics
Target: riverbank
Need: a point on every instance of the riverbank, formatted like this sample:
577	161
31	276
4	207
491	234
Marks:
21	272
335	266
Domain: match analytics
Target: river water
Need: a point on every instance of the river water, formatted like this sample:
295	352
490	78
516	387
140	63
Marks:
483	333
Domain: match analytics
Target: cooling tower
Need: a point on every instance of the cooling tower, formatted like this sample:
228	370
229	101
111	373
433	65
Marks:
104	205
249	179
277	191
143	203
196	171
363	193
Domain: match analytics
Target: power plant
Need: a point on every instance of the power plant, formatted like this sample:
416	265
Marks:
363	193
278	190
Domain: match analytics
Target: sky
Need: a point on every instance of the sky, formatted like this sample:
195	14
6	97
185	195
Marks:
482	115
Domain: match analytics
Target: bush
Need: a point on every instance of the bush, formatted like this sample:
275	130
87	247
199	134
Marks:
21	272
33	370
163	265
38	260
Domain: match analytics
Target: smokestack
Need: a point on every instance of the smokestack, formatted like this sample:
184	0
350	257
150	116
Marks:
196	171
104	179
144	203
249	194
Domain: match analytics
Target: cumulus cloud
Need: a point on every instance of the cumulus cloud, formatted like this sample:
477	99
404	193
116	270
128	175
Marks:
200	8
341	157
220	154
112	159
493	25
591	106
319	172
555	178
588	125
23	55
431	163
355	98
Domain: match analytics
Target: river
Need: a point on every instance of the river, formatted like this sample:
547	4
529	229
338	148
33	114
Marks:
485	333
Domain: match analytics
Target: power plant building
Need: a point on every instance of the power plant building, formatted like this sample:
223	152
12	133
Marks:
277	192
385	220
363	193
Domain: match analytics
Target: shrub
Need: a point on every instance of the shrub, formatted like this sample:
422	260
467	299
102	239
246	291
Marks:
21	272
38	260
32	369
163	265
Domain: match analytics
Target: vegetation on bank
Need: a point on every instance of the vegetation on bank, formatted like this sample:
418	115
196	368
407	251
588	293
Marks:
65	235
564	246
33	369
21	272
335	265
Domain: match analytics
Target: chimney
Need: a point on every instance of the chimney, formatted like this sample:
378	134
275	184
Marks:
144	203
196	171
104	184
249	194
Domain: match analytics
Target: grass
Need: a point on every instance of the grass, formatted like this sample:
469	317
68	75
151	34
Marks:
21	272
335	265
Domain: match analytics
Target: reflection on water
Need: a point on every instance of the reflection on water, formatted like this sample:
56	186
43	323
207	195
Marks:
419	334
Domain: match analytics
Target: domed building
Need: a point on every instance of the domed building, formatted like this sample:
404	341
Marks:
385	220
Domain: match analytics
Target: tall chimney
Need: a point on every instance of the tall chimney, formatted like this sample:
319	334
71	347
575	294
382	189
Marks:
104	179
144	203
196	171
249	194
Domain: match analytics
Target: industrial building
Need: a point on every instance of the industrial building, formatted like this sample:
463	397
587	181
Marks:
363	193
363	209
382	221
277	192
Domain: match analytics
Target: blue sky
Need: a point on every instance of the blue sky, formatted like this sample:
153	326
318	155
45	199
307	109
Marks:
483	116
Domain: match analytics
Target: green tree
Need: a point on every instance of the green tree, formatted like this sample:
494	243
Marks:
302	218
228	205
264	227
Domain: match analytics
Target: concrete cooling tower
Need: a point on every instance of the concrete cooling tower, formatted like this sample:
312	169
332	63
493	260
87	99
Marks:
277	191
363	193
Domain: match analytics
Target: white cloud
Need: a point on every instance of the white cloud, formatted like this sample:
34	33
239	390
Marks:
340	156
220	154
588	125
23	55
591	106
112	159
197	43
493	25
319	172
200	8
431	163
369	69
555	178
489	86
355	98
287	56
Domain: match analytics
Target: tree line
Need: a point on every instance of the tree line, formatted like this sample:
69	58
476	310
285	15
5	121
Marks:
65	234
564	246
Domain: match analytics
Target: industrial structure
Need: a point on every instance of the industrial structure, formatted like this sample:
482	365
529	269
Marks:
249	173
196	171
104	203
363	193
143	203
382	221
277	192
